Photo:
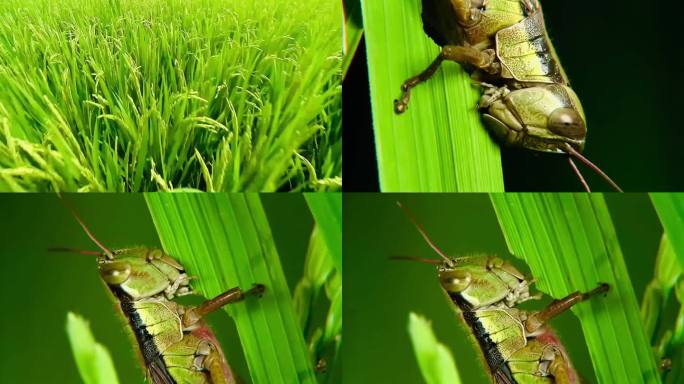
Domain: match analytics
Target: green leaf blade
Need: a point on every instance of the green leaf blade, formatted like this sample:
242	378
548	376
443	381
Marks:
434	358
670	209
569	243
92	358
326	209
439	144
226	239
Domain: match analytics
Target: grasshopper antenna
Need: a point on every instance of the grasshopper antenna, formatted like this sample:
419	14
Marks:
572	152
418	259
92	237
423	233
74	250
579	174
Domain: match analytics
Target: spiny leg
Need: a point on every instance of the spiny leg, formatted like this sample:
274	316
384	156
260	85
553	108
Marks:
458	53
559	368
193	315
538	319
215	365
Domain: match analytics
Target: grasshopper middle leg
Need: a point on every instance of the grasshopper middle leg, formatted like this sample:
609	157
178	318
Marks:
483	59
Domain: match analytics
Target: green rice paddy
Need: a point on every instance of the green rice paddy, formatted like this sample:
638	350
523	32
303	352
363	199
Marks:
216	95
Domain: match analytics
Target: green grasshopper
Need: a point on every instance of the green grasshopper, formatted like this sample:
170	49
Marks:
527	99
174	342
517	345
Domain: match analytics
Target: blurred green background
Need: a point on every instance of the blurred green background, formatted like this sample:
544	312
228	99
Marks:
380	293
38	287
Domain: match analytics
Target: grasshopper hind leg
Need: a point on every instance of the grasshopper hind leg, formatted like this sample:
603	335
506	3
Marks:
195	314
537	320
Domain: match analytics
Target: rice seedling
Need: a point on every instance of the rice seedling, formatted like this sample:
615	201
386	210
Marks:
123	95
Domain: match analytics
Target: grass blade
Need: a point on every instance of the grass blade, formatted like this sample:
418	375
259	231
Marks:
569	243
659	290
353	30
225	239
92	358
323	269
670	209
326	209
436	361
439	144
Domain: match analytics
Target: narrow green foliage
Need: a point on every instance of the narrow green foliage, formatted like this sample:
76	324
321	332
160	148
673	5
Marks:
439	144
92	358
226	241
353	30
326	209
318	266
323	273
436	361
667	338
667	274
126	95
670	209
569	243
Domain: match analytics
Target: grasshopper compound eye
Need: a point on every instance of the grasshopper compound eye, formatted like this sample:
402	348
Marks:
115	273
455	281
567	122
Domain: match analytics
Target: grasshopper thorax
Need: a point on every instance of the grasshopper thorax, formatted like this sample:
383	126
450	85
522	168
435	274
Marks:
482	281
144	272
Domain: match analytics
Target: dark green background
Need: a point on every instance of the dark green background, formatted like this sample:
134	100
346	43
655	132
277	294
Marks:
38	288
379	293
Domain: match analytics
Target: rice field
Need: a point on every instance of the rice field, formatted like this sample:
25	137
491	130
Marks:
157	95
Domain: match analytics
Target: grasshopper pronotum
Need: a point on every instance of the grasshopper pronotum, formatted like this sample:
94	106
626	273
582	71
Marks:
527	99
174	342
517	345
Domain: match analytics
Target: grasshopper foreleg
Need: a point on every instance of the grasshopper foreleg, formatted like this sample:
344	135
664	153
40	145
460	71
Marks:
538	319
461	54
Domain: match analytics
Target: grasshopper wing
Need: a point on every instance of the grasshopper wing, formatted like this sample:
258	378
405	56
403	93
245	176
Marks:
158	374
501	377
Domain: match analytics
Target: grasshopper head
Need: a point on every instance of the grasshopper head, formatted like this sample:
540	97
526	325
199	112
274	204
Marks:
139	272
477	281
544	118
480	281
144	272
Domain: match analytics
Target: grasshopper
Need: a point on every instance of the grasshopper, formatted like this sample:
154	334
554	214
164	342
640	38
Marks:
527	100
517	345
174	342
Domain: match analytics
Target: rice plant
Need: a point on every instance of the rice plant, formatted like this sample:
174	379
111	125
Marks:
123	95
